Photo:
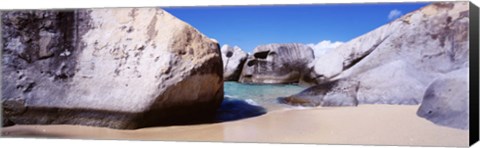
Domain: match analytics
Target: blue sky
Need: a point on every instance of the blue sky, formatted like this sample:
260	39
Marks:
250	26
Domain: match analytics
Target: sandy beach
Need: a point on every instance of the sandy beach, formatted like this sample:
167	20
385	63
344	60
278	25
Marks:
365	124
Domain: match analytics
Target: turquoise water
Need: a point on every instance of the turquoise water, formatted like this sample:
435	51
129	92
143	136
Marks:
264	95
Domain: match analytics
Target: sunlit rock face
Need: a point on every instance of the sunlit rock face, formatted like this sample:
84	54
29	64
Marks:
118	68
433	39
233	60
277	63
397	62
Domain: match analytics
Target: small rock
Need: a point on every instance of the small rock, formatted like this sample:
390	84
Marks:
233	60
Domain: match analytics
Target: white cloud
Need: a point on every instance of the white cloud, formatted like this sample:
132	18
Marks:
323	46
394	14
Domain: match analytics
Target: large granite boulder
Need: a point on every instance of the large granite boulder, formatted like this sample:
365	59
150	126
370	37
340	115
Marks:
277	63
233	59
119	68
395	63
446	101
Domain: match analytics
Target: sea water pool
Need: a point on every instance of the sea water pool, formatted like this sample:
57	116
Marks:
264	95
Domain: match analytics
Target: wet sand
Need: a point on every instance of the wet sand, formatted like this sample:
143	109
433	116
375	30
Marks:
365	124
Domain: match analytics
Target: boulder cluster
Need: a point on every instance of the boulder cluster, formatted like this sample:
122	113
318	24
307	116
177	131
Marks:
420	58
135	67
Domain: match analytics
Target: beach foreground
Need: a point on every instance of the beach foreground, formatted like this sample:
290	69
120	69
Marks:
365	124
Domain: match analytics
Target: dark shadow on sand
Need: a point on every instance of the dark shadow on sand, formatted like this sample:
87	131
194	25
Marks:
231	109
236	109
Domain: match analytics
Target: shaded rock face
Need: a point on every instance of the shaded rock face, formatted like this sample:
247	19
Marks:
118	68
335	93
446	101
277	63
395	63
233	59
6	122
